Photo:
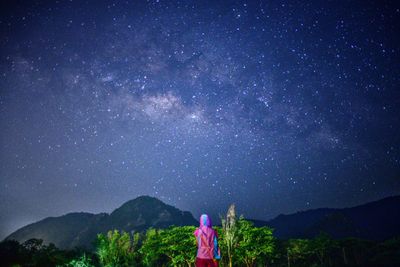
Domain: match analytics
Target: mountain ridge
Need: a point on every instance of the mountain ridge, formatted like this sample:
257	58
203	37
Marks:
79	229
375	220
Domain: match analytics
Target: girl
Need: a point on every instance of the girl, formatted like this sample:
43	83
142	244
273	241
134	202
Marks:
207	244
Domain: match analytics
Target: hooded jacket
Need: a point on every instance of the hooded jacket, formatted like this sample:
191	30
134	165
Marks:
207	239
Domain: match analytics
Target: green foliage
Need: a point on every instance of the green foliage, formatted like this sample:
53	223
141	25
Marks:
179	244
83	261
176	246
321	246
151	250
253	242
242	242
387	253
354	251
115	249
298	250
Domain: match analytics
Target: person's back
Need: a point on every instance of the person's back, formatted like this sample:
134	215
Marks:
207	243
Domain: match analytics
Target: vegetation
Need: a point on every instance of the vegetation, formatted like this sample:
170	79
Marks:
254	244
230	234
116	249
34	253
83	261
241	244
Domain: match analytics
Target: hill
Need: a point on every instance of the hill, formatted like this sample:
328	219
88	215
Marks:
80	229
378	220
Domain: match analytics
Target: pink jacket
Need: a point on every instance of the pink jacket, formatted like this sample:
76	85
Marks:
207	239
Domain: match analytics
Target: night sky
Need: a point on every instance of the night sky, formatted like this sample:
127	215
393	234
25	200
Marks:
274	106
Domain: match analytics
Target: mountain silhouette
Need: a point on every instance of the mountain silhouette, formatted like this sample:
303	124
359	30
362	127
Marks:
378	220
80	229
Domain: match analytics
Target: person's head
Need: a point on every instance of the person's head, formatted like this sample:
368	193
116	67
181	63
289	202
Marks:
205	220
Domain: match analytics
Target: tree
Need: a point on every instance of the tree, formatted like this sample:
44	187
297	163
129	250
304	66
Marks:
179	245
151	250
33	245
354	251
386	253
48	255
11	252
230	233
253	242
297	250
83	261
321	246
115	249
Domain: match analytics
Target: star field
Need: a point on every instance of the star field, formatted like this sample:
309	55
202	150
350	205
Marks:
275	106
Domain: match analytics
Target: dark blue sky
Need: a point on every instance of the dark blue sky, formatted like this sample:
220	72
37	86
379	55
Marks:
275	106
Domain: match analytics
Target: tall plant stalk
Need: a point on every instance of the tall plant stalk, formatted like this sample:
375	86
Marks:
230	232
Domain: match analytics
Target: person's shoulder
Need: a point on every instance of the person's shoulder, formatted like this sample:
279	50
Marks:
215	232
196	232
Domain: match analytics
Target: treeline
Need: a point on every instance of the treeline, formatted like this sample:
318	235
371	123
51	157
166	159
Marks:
34	252
241	244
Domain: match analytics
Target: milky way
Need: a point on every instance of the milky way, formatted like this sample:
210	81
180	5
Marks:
277	107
